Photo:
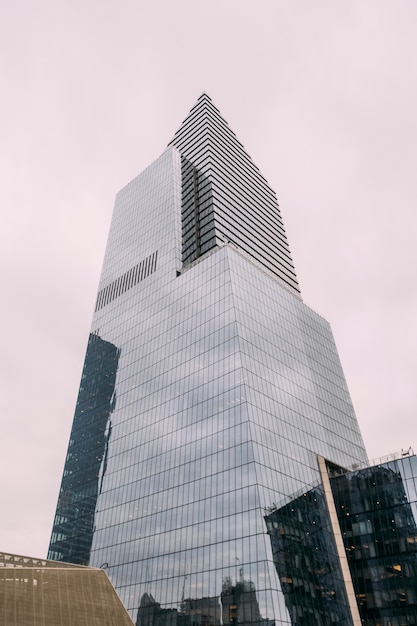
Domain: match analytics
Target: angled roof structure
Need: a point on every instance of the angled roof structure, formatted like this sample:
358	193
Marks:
37	592
225	197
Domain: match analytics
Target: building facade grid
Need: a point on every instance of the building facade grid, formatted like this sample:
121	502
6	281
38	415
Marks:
208	389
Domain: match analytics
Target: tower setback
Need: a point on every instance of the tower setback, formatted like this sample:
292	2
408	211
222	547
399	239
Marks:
208	390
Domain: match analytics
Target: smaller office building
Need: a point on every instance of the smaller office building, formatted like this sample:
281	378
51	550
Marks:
37	592
346	549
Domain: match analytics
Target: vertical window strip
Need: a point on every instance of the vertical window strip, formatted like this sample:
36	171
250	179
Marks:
135	274
141	271
156	258
123	283
117	284
130	282
120	285
146	267
102	298
111	290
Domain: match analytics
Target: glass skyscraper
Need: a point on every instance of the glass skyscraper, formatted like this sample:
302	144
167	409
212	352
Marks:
208	390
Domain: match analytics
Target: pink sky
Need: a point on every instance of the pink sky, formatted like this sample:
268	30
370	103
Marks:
324	97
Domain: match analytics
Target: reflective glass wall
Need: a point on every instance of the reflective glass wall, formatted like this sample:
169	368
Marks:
307	562
226	387
376	510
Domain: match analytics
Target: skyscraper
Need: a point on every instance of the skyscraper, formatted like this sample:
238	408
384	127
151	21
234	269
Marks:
207	392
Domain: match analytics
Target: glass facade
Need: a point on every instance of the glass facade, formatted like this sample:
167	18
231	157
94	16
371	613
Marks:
220	387
87	452
307	563
376	510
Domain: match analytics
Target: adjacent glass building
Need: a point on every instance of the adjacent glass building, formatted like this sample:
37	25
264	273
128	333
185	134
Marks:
207	392
375	522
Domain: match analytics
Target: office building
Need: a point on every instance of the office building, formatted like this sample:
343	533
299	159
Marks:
350	552
207	392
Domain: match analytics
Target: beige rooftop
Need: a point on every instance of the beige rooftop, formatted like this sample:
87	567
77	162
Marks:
37	592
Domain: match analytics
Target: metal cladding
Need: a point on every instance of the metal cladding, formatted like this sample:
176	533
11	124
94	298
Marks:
37	592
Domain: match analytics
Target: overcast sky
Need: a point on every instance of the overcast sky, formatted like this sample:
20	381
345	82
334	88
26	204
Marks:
322	94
